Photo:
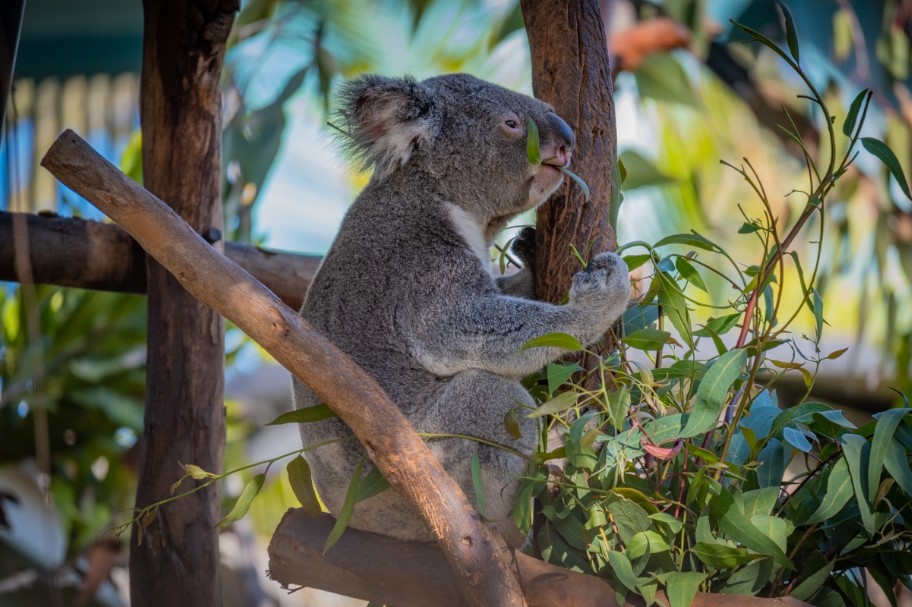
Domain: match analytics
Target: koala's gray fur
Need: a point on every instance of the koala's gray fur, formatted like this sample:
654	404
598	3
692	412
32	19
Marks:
407	289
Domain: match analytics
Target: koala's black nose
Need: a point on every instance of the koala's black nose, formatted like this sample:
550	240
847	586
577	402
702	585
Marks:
564	139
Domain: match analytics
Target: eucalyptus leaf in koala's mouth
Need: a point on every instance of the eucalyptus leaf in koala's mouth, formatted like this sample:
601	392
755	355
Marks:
576	178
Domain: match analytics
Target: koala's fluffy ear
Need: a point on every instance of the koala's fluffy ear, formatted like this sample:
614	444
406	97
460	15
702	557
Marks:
385	120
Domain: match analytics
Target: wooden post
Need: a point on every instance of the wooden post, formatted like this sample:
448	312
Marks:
180	110
570	70
481	561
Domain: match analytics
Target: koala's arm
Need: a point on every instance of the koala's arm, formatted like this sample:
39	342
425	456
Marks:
487	332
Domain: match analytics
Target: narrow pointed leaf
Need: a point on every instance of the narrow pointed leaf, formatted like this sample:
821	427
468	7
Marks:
305	415
579	182
372	484
242	505
883	152
857	455
791	36
553	340
348	508
561	402
896	462
884	429
478	484
301	481
848	127
838	493
533	145
713	392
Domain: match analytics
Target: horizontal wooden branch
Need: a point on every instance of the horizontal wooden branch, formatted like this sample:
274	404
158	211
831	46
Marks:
479	559
73	252
409	574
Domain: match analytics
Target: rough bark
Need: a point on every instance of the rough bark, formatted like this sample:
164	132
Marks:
180	113
73	252
480	560
411	574
570	70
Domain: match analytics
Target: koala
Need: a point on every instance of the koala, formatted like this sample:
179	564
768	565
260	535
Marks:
407	288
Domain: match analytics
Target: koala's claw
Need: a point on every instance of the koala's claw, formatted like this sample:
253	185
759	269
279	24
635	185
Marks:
606	274
524	245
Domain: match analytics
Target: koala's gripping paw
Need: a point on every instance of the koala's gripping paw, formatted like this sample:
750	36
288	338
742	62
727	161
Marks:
524	245
605	280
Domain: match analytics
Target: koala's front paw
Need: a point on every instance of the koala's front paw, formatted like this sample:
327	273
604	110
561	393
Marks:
524	246
605	279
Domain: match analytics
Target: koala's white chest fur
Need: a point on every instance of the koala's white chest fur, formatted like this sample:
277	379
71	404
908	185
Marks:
473	234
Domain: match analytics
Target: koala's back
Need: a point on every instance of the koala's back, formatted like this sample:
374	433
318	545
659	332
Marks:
391	261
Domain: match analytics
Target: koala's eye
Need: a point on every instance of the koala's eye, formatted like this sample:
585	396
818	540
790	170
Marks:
512	126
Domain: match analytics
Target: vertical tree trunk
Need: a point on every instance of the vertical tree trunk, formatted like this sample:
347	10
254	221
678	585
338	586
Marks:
570	70
180	108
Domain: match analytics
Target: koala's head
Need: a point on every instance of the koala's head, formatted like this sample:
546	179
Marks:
459	137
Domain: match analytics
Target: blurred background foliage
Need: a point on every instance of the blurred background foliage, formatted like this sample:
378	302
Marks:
688	95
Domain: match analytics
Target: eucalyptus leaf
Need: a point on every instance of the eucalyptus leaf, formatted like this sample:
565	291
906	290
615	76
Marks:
713	391
553	340
884	429
242	505
304	415
838	493
348	508
301	481
883	152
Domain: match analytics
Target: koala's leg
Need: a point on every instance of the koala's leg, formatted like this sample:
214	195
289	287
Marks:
477	404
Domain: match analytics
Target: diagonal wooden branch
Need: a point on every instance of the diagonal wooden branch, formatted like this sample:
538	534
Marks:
74	252
480	560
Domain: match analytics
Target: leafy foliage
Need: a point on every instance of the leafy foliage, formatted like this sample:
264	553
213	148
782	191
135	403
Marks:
684	474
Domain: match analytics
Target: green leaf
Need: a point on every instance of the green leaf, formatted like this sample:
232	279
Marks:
797	439
478	485
800	414
305	415
348	508
578	181
884	429
681	586
372	484
739	528
511	424
691	240
558	373
883	152
242	505
533	143
301	481
721	556
896	461
838	493
674	305
561	402
713	392
857	455
791	37
848	126
553	340
646	542
647	339
818	312
690	273
815	572
622	569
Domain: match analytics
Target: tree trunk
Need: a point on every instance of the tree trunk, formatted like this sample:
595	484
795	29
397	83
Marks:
570	70
180	109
